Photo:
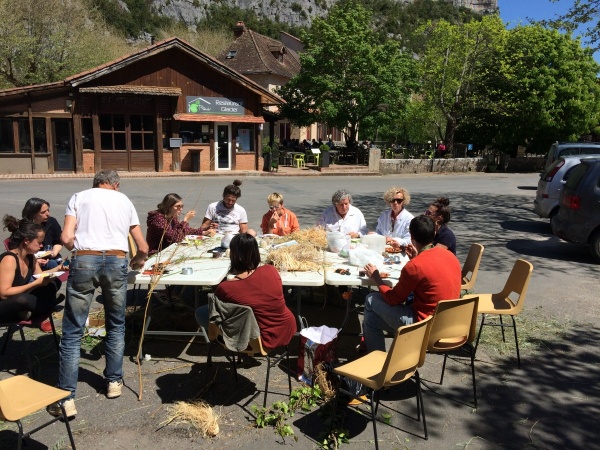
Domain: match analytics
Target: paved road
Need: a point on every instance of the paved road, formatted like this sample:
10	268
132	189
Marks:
550	403
493	209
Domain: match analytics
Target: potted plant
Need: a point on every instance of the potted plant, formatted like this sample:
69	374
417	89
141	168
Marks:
266	154
324	160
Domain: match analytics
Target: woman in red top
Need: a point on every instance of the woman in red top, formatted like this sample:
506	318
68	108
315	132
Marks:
258	287
164	227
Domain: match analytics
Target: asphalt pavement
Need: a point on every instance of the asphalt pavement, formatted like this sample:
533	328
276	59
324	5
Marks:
550	402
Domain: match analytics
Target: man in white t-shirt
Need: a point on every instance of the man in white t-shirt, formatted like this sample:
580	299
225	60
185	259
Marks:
226	215
97	224
343	217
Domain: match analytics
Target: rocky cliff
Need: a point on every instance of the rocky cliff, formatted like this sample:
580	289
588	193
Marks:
293	12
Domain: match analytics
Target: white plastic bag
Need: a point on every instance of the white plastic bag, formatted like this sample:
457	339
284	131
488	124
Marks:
362	256
336	241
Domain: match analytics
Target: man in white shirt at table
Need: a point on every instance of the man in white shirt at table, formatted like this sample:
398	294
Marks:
343	217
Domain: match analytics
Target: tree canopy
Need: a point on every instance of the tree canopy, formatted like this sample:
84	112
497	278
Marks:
348	75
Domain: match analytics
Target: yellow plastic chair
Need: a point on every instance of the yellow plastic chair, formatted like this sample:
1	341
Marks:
454	323
471	267
255	349
21	396
509	301
299	161
378	369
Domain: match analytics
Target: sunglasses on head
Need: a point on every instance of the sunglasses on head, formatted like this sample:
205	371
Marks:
429	213
397	200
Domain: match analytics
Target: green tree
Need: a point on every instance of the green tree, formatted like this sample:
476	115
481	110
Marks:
582	13
348	75
547	89
453	66
50	40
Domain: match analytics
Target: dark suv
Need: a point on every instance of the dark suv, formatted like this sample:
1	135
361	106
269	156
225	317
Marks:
578	218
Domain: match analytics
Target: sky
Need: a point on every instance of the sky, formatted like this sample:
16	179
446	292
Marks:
515	12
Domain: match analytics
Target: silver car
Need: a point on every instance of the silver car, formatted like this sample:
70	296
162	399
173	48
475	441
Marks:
578	219
551	183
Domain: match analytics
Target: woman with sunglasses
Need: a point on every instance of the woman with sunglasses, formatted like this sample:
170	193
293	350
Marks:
164	226
278	220
439	212
393	223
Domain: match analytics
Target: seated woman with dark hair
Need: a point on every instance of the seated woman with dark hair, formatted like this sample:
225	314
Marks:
258	287
439	212
38	210
21	299
164	226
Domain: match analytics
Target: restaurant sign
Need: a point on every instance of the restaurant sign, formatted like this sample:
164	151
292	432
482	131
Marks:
214	105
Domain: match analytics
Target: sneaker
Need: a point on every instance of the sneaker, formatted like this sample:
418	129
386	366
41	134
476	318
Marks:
113	389
46	326
54	408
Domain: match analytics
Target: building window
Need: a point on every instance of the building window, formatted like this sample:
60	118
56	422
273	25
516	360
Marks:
87	133
7	141
194	132
40	144
245	140
142	132
24	136
112	132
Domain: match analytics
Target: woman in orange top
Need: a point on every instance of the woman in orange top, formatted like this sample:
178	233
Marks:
278	220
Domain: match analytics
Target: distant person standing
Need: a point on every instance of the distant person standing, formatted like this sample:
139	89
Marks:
97	223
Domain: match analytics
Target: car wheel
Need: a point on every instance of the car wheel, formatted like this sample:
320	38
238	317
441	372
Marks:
595	245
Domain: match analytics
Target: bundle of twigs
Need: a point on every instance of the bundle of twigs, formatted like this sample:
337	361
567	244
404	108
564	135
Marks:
302	257
198	413
315	236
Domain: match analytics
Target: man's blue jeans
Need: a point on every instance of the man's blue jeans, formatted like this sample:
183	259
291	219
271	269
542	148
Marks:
380	316
88	272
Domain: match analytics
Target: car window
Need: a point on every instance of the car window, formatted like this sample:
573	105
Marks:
568	172
576	176
569	151
590	150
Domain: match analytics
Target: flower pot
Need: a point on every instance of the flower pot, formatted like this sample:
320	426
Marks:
266	162
324	160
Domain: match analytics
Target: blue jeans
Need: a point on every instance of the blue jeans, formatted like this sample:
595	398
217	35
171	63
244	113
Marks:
380	316
88	272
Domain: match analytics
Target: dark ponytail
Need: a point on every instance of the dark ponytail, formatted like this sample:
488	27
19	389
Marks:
21	230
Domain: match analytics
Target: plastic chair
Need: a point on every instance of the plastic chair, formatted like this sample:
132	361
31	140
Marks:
299	161
254	349
454	323
471	267
509	301
378	369
21	396
33	322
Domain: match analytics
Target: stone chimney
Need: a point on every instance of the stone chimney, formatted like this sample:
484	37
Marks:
239	29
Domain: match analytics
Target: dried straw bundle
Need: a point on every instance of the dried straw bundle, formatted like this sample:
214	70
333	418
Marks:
315	236
326	381
199	414
302	258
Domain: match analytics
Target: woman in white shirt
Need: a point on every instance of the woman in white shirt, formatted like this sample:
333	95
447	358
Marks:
393	223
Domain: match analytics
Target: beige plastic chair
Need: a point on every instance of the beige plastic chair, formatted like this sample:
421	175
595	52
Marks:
471	267
509	301
378	369
454	323
255	349
21	396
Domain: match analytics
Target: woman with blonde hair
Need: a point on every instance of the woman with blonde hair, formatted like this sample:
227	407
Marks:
393	223
278	220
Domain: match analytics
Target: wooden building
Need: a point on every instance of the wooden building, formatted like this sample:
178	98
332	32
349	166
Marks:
166	108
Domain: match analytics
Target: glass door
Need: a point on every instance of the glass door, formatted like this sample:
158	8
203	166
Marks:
62	140
223	142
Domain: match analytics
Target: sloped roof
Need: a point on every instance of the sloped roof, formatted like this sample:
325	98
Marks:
254	55
127	89
267	97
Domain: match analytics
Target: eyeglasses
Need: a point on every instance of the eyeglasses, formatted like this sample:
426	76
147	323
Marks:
397	200
178	206
274	206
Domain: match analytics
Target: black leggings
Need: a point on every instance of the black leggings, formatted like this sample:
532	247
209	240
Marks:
40	302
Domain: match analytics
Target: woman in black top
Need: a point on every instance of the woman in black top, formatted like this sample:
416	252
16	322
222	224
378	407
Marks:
439	212
19	298
37	210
